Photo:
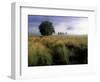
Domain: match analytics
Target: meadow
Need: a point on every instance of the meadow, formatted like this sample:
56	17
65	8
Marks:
57	50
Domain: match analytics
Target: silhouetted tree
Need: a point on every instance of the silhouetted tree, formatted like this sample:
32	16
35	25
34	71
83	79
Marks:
46	28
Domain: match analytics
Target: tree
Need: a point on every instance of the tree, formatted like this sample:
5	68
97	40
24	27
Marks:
46	28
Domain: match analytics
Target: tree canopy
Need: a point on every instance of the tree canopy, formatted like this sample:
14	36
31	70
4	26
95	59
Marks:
46	28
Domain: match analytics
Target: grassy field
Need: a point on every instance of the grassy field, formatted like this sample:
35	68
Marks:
57	50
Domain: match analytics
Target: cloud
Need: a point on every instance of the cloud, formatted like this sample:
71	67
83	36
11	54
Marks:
61	27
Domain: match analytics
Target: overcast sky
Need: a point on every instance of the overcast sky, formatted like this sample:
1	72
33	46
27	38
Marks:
70	24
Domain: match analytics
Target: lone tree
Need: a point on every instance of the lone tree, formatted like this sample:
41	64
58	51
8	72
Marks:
46	28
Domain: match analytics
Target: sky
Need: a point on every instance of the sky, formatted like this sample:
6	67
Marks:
71	25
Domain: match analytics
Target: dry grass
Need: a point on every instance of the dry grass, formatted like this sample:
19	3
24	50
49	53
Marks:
42	49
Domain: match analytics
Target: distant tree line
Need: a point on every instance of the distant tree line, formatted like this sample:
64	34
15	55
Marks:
61	33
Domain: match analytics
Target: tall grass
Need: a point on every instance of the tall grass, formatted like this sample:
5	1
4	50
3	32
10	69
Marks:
56	50
38	54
